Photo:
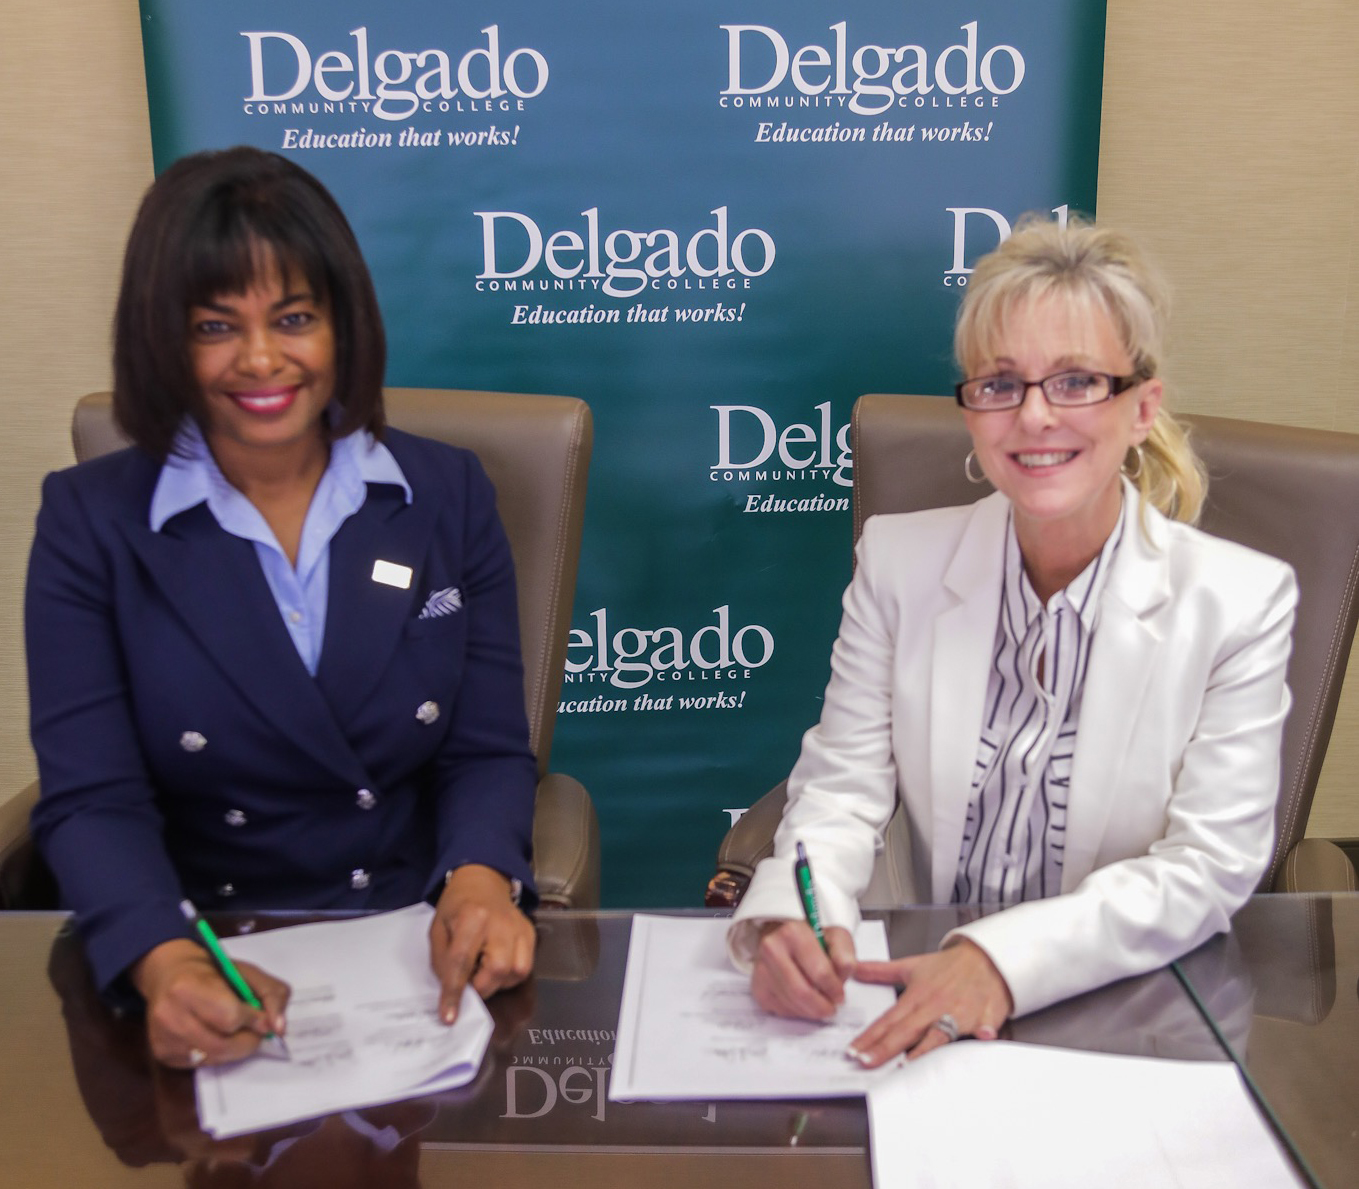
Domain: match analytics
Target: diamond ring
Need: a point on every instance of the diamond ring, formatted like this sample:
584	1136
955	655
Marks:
947	1025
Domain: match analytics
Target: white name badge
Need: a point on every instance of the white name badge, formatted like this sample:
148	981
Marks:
391	574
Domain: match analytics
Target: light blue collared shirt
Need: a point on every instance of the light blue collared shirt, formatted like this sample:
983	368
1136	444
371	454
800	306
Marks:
191	476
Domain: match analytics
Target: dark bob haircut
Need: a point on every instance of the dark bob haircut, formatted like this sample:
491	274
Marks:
208	226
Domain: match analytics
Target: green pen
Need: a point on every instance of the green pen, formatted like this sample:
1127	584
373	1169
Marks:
802	873
274	1045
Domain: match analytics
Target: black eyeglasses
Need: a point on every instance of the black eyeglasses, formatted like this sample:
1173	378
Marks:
990	394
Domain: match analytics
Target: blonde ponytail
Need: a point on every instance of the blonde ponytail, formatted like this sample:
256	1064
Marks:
1172	478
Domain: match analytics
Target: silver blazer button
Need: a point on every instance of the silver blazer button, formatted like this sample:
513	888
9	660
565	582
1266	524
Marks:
226	890
365	799
192	741
428	712
234	817
358	879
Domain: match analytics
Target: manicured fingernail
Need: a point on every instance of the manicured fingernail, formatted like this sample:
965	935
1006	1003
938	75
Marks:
853	1054
984	1033
449	1014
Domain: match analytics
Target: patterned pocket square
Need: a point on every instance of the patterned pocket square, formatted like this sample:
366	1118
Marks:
442	602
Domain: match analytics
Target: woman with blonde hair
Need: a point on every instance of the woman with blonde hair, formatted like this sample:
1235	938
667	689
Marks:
1075	696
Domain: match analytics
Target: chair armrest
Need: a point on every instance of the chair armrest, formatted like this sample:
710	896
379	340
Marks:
25	882
14	820
747	842
565	844
1292	971
565	848
1316	865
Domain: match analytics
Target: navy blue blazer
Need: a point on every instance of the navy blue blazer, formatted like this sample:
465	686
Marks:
184	750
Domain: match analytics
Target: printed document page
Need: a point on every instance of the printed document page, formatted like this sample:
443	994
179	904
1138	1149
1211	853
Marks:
1000	1113
688	1027
362	1025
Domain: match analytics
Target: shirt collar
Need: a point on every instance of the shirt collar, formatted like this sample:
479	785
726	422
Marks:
1083	592
190	475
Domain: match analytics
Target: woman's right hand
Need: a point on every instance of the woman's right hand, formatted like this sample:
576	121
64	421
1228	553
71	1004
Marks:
192	1017
794	976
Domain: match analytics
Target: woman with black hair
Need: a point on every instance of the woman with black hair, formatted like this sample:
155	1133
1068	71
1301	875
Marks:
273	647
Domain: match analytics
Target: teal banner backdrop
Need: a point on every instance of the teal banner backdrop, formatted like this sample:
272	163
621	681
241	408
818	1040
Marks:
719	222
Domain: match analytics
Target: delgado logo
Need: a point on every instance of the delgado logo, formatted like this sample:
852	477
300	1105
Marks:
622	262
631	657
873	77
978	230
748	439
283	67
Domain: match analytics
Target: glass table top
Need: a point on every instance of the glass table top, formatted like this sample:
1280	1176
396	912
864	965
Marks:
85	1106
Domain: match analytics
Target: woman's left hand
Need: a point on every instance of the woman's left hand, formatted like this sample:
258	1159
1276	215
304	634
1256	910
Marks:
959	981
479	935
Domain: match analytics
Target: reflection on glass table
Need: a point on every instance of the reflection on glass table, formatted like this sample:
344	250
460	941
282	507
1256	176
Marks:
85	1105
1296	962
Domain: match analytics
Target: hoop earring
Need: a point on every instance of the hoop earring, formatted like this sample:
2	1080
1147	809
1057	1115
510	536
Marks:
1133	472
967	468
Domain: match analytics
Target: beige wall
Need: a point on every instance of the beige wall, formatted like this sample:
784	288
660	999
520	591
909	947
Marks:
1229	147
76	154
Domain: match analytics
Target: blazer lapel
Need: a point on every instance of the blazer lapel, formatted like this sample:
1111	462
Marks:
964	636
214	583
1122	657
364	616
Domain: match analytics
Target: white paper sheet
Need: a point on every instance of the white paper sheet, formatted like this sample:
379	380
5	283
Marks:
688	1027
362	1025
1017	1116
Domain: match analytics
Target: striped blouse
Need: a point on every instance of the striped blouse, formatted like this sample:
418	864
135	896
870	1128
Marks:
1015	832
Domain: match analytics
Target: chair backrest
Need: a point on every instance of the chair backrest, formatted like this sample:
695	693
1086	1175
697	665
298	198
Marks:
536	450
1292	493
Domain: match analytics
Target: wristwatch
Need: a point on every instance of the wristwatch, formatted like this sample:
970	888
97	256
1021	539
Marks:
516	886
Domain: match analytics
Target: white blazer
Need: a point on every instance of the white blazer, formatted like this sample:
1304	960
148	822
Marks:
1176	766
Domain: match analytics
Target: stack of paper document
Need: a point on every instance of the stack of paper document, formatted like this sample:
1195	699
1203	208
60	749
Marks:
689	1028
1021	1115
363	1025
974	1113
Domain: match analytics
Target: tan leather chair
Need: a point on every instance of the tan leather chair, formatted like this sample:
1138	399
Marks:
536	450
1292	493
